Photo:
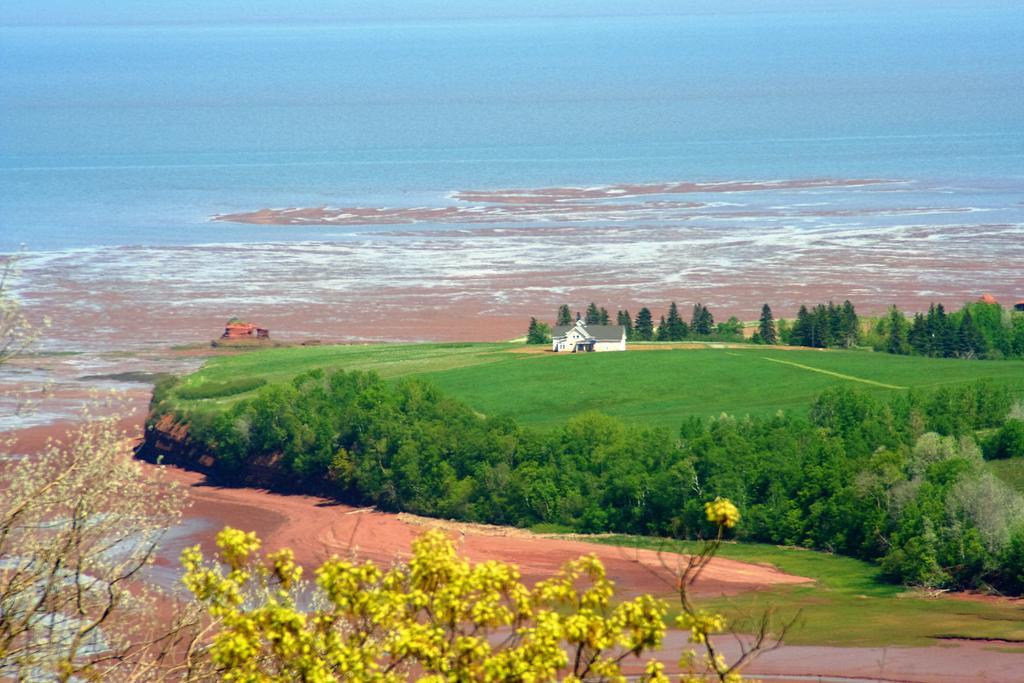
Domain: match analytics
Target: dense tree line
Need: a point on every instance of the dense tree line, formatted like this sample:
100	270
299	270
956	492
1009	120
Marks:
825	326
671	328
978	330
900	482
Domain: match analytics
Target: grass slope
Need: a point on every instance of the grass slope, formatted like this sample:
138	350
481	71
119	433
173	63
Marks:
654	387
281	365
849	604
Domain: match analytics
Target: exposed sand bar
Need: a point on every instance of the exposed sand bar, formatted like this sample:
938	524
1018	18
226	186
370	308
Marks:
485	283
547	204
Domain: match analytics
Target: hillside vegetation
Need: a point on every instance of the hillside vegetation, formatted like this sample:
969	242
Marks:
649	387
860	465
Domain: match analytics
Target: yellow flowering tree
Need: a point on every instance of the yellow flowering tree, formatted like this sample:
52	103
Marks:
435	618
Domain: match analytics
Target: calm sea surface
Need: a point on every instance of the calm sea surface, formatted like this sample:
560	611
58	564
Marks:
116	133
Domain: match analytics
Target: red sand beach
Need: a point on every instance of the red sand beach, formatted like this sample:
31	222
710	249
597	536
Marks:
317	529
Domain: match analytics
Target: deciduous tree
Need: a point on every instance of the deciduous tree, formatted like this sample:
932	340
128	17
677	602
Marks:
79	525
17	333
446	619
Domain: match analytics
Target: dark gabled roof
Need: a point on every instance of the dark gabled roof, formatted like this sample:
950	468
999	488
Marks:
598	332
606	332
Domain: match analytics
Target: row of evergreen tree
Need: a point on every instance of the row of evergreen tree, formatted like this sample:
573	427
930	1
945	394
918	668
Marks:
822	326
825	326
978	330
642	328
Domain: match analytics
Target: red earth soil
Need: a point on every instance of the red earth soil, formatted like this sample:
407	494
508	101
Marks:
317	529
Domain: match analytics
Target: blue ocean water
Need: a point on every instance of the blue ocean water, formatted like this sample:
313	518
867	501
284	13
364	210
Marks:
123	126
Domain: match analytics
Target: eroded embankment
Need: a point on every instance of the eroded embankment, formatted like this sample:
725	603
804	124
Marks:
168	440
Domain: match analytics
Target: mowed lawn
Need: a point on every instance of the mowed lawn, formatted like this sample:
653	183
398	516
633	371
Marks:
662	387
652	386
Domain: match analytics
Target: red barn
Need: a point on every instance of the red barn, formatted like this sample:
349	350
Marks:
239	329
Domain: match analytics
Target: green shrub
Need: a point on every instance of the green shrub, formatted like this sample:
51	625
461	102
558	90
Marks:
1008	442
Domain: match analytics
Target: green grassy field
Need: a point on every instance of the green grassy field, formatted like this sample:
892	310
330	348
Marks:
282	364
849	604
654	387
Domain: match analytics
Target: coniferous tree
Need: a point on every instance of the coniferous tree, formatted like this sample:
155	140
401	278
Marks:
766	326
932	325
564	315
969	342
644	327
537	333
833	326
897	332
917	336
849	325
622	318
945	341
801	333
593	316
819	327
663	333
602	316
976	330
676	328
701	322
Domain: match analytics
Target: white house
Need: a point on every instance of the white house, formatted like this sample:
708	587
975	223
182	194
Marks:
582	337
